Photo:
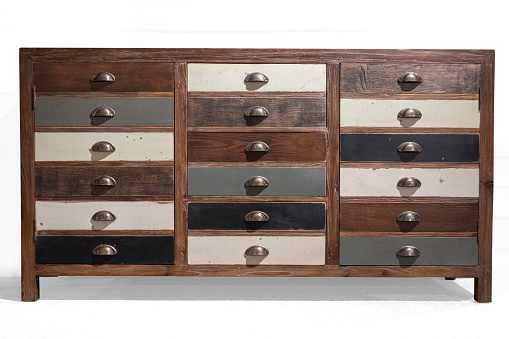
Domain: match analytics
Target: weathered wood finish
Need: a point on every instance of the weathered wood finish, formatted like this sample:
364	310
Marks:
129	77
222	147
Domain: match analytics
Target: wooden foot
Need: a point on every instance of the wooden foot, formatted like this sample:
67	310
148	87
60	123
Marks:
30	288
450	278
482	289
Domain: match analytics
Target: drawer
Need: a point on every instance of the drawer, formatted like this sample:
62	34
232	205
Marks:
439	182
256	216
129	250
254	181
395	113
233	77
242	147
433	251
104	215
57	112
430	216
103	146
231	250
385	78
423	147
78	181
128	77
256	110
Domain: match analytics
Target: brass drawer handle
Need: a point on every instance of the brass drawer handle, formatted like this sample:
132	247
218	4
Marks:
256	216
104	249
409	113
409	216
256	251
409	147
104	216
409	182
104	180
257	146
103	77
256	77
103	146
257	111
103	112
410	77
257	181
408	251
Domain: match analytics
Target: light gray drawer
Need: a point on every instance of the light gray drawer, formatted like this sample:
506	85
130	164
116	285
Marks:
233	181
50	111
433	251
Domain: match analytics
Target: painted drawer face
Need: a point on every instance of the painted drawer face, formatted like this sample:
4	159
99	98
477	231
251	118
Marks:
382	78
130	250
129	77
288	110
233	147
434	113
230	250
434	216
282	77
282	181
435	147
77	181
252	217
128	215
382	182
433	251
57	112
127	146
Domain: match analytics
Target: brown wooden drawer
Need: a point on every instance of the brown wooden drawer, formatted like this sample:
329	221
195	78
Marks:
284	109
436	215
131	182
231	147
367	79
129	77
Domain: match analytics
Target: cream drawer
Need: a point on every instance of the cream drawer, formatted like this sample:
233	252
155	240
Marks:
127	146
129	215
445	182
434	113
230	250
281	77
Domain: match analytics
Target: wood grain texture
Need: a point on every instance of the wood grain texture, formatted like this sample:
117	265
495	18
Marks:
416	130
109	233
71	76
382	78
222	147
75	181
292	110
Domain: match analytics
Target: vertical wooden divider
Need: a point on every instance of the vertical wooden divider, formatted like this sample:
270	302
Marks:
180	123
332	234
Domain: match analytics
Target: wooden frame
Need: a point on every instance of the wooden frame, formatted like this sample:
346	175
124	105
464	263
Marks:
333	59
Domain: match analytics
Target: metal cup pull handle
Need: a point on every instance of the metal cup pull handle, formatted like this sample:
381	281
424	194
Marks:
256	251
256	77
410	77
257	146
409	113
103	146
409	147
408	251
257	181
409	216
103	77
104	216
104	180
256	216
256	111
103	112
104	249
409	182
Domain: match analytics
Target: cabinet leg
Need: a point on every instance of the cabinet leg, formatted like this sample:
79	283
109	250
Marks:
482	289
30	288
450	278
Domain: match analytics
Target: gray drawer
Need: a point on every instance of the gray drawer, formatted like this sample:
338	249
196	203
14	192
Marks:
433	251
232	181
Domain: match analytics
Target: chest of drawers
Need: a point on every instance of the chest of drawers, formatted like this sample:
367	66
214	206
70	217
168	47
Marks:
217	162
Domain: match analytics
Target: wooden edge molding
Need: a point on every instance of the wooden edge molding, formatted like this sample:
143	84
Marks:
411	234
362	164
102	233
103	129
258	233
270	94
410	130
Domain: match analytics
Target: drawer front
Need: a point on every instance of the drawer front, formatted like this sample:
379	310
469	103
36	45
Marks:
57	112
289	110
434	113
447	182
126	215
129	77
256	216
383	78
435	147
230	250
127	146
233	147
433	251
288	181
281	77
77	181
437	216
130	250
